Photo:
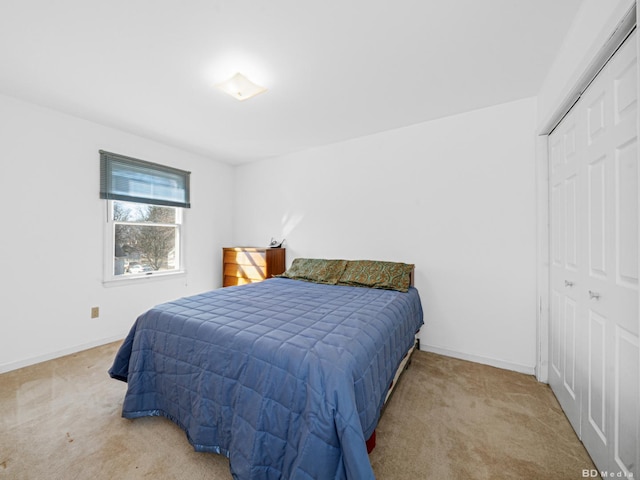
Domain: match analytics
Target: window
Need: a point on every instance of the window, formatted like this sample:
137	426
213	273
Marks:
146	238
145	203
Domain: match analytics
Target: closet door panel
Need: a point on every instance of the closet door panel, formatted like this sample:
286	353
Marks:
556	334
571	222
596	221
565	252
569	361
597	410
610	427
624	287
627	214
596	358
627	391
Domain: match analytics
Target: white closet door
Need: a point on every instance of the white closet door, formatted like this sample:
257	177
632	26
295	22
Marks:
594	266
610	415
566	258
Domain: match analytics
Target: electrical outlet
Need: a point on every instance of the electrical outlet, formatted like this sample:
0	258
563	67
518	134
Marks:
95	312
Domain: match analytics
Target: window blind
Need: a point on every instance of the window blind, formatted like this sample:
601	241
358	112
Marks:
132	180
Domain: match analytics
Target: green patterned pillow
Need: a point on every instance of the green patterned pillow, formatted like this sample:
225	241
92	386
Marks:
376	274
316	270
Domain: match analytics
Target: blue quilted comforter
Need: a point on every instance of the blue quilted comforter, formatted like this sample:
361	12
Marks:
286	378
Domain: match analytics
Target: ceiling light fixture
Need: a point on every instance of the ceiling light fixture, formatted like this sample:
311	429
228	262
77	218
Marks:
240	87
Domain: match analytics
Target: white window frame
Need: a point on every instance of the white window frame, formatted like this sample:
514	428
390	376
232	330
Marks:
109	278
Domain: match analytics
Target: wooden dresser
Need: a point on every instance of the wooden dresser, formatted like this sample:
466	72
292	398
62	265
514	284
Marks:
242	265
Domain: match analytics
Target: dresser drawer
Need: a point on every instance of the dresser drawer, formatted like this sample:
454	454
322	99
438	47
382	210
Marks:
244	271
231	281
245	258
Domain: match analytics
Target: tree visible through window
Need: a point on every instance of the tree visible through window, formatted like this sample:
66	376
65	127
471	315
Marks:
146	238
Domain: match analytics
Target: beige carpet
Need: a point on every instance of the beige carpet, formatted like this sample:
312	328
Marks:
448	419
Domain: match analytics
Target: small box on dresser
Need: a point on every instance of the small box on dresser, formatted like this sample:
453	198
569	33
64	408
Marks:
241	265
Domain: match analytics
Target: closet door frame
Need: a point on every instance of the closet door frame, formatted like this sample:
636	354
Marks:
627	22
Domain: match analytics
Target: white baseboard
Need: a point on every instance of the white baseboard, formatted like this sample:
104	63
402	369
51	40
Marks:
516	367
7	367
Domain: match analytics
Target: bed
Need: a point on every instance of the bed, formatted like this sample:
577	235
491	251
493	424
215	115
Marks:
286	377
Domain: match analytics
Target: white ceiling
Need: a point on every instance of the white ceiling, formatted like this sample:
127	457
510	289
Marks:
335	69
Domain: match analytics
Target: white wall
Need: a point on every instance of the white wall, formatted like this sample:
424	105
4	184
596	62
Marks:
52	233
455	196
